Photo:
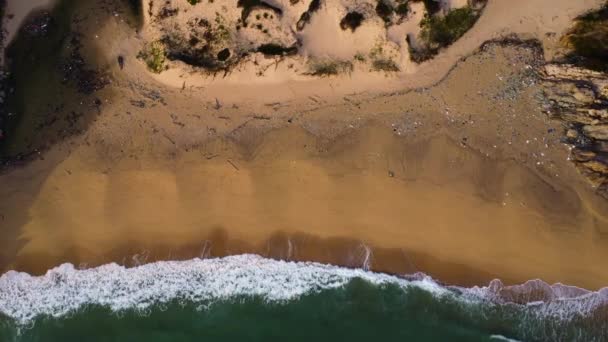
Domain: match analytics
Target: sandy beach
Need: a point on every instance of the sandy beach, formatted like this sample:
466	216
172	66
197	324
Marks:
450	167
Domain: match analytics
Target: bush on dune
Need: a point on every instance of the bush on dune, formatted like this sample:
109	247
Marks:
329	68
154	55
588	39
440	31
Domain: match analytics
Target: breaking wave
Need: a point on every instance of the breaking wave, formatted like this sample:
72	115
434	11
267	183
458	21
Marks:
531	311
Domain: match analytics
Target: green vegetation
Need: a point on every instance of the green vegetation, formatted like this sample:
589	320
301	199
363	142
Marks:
351	21
380	60
154	55
221	34
402	8
385	10
359	57
431	6
329	68
385	64
589	39
193	2
441	31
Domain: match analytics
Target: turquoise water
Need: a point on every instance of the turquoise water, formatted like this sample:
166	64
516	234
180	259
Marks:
249	298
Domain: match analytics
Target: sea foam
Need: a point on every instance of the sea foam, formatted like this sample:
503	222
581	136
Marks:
65	289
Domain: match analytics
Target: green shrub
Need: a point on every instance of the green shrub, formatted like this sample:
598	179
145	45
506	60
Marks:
589	38
193	2
385	64
329	68
384	11
439	31
402	8
442	31
154	55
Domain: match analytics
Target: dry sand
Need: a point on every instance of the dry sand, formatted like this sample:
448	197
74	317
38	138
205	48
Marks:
465	180
545	20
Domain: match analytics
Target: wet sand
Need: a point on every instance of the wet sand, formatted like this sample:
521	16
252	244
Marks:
466	180
393	183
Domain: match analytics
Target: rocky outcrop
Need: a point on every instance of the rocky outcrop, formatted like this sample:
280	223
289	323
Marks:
579	97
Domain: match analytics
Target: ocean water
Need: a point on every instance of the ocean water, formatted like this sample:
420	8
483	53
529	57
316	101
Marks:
250	298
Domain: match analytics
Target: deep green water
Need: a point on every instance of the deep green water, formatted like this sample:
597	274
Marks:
251	298
359	311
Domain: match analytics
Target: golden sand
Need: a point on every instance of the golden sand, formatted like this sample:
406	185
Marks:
433	198
457	180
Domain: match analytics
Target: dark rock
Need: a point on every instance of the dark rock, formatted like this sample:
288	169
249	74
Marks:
583	155
599	132
223	55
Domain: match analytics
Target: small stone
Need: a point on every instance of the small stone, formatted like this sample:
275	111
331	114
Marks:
572	134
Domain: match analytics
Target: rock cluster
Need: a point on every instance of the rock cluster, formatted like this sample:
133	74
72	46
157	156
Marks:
579	97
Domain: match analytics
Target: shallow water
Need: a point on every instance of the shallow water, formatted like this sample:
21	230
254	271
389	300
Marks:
252	298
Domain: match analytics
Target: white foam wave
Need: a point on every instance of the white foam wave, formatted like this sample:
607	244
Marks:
558	301
502	338
65	289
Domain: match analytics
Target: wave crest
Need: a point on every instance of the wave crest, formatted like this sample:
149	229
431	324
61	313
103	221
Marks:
535	306
65	289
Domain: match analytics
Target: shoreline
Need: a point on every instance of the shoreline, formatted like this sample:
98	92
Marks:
533	310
